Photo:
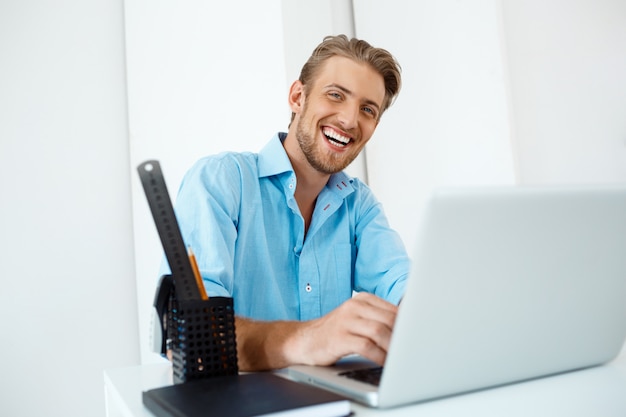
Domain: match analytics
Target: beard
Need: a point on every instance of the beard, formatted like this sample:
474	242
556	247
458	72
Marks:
324	162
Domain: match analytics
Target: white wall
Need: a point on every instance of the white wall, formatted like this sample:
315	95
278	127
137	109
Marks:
68	291
567	62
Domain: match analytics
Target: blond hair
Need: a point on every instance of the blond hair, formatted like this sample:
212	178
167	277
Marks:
360	51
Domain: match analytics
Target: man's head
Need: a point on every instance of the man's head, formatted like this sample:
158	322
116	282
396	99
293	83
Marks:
360	51
337	103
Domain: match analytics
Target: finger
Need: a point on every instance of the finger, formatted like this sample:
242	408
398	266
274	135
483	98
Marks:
376	332
366	348
375	301
373	308
375	315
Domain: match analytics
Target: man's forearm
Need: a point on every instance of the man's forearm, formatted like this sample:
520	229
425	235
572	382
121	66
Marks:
266	345
361	325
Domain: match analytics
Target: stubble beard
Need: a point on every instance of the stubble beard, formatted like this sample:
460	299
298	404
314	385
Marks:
326	164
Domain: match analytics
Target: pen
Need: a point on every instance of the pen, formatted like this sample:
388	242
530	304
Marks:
196	273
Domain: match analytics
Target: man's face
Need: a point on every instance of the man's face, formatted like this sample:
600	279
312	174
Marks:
340	112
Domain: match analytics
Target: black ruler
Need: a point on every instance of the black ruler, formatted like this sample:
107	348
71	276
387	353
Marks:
169	231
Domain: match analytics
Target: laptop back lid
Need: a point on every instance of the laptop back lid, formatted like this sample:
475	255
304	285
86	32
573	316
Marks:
509	284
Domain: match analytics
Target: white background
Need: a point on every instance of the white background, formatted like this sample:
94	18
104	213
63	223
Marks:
495	92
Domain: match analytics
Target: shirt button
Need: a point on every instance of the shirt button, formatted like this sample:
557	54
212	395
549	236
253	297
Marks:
308	288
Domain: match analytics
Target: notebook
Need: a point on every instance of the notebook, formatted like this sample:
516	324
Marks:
507	284
248	395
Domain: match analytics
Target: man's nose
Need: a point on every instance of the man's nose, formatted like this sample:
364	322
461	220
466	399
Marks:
349	116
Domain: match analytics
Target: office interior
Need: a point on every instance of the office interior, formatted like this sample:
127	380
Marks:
496	92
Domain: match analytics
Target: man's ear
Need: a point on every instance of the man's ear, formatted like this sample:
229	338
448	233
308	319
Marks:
296	96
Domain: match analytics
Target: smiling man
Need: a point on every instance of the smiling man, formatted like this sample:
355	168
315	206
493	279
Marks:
290	236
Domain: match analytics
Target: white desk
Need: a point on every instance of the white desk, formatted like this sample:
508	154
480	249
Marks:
599	391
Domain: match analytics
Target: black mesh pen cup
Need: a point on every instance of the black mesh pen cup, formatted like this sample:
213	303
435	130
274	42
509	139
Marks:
201	335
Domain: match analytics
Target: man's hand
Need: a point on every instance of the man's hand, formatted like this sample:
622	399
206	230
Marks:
362	325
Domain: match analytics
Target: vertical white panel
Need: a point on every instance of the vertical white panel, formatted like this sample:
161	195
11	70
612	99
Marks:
203	77
567	62
449	125
68	290
305	23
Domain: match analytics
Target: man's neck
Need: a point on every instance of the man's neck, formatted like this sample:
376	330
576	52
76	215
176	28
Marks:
310	182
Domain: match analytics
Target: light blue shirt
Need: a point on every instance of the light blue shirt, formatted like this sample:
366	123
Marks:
238	213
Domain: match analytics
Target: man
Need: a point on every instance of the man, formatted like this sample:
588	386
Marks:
289	236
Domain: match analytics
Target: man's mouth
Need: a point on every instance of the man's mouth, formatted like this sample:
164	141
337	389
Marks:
335	138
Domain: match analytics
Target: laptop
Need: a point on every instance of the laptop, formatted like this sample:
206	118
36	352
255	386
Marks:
507	284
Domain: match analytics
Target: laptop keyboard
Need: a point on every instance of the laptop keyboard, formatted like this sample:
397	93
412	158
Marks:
367	375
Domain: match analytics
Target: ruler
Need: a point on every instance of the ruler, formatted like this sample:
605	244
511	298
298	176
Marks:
169	231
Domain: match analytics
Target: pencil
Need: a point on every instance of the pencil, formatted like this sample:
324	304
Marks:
196	273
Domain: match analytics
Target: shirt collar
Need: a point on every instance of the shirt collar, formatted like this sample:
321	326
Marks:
341	184
273	160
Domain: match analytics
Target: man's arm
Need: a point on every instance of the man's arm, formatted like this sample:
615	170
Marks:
361	325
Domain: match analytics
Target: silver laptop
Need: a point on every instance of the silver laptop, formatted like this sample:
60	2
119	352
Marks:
507	284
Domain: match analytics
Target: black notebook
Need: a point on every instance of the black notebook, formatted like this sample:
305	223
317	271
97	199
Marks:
256	394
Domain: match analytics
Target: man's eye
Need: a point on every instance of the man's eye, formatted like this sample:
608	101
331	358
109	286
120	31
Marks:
369	111
336	96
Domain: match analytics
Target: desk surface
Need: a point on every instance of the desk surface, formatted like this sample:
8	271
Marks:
595	391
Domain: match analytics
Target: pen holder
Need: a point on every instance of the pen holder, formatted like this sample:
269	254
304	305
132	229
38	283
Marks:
201	334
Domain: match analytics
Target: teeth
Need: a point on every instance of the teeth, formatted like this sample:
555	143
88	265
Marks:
336	137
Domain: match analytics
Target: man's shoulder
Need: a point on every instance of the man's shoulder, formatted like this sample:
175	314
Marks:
230	158
222	171
227	162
